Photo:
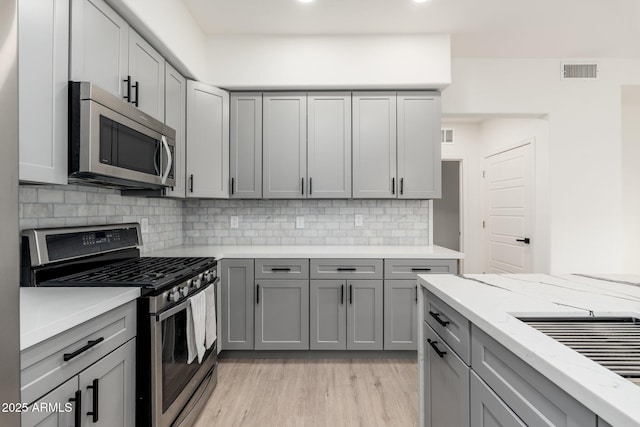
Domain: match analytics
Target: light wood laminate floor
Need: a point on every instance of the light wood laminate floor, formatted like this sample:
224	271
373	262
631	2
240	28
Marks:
314	392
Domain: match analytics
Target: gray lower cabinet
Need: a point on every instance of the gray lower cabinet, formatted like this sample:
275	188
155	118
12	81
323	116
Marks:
400	315
108	389
487	409
364	314
87	372
328	315
446	384
282	314
237	306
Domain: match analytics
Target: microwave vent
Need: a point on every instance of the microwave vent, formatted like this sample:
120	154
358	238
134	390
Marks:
580	71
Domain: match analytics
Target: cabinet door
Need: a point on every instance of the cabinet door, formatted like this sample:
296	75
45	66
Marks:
329	145
419	145
487	409
246	146
146	67
207	141
364	315
284	146
374	145
237	304
43	34
328	315
400	315
108	389
63	412
175	116
446	384
99	46
282	314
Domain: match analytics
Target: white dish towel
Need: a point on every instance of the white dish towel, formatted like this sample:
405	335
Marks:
196	316
211	332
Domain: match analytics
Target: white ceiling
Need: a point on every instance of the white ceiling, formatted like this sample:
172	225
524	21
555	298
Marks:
478	28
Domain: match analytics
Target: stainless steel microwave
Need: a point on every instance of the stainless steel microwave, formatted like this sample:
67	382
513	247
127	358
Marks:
114	144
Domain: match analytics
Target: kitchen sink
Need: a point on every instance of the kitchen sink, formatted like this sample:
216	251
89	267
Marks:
613	342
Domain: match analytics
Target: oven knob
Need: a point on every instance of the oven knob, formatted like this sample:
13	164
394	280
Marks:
189	283
197	282
185	291
174	296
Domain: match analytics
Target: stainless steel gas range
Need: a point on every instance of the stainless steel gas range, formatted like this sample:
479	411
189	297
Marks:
170	391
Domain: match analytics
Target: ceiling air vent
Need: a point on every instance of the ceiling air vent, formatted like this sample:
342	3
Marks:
446	136
581	71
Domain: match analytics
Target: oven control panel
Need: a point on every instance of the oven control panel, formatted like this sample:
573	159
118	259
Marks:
82	243
189	287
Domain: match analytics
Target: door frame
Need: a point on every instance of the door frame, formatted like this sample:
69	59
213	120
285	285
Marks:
463	165
532	197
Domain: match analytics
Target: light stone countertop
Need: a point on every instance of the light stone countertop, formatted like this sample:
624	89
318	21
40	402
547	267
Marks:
492	302
46	312
399	252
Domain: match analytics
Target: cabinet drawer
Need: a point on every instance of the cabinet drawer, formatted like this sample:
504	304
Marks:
531	396
449	324
43	366
346	269
282	269
487	409
409	268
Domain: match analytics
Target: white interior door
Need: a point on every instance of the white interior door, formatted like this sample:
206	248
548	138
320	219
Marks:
508	181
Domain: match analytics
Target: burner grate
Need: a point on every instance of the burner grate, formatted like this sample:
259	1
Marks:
612	342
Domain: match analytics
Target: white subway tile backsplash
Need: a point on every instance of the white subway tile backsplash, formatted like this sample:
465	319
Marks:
207	222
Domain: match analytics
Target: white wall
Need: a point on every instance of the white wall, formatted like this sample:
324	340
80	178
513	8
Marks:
329	62
585	205
170	28
631	177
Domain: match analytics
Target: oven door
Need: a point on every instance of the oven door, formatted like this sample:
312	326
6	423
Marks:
173	380
114	145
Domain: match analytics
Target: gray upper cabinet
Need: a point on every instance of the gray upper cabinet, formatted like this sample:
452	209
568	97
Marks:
147	71
43	33
364	314
207	141
400	315
419	167
237	289
284	143
329	145
282	314
99	46
106	51
246	146
328	315
374	145
175	116
446	384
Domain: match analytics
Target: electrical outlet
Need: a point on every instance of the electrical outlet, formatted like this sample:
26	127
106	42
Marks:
359	221
299	222
144	224
235	222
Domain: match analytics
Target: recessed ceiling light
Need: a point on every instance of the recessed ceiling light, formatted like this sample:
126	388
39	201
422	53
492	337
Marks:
306	1
420	1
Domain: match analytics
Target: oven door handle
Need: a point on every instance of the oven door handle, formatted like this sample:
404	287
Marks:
173	310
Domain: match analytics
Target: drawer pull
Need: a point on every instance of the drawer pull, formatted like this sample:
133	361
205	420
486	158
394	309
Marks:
346	269
69	356
434	345
438	319
421	269
96	401
77	414
281	269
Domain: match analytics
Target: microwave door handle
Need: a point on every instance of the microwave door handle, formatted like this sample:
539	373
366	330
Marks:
169	160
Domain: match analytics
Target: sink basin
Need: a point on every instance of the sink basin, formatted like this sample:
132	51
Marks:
613	342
